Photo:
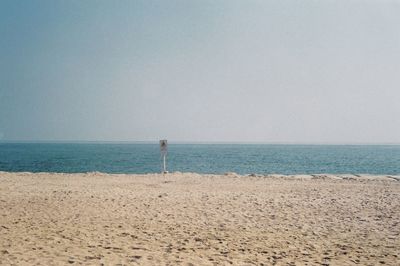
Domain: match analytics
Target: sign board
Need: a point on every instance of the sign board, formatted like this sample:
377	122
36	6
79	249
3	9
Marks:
163	146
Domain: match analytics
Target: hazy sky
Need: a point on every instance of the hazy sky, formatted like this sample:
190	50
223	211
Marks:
270	71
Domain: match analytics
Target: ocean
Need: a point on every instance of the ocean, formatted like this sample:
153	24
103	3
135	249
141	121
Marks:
200	158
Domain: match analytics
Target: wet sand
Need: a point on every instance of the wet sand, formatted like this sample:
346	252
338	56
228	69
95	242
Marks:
192	219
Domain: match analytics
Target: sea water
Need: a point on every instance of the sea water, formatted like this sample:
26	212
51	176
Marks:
200	158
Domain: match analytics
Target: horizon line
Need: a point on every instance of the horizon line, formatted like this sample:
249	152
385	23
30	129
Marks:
194	142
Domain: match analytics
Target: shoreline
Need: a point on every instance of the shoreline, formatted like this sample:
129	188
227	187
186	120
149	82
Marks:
362	176
193	219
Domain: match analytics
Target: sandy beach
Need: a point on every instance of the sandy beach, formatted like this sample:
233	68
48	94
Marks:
192	219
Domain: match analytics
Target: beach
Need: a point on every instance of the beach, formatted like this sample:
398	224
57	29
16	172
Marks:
198	219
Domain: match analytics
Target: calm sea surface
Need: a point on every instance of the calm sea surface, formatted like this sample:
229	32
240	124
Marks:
201	158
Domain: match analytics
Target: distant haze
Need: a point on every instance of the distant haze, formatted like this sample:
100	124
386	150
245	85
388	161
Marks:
258	71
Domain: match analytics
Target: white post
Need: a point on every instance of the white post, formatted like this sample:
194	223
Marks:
164	151
165	166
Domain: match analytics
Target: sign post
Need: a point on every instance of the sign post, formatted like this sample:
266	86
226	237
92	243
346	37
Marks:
164	151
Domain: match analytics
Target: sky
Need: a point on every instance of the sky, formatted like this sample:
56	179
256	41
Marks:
208	71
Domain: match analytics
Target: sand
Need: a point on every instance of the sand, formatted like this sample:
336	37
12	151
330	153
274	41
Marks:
192	219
